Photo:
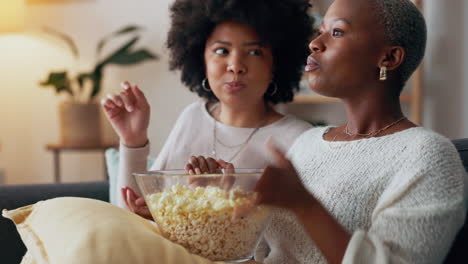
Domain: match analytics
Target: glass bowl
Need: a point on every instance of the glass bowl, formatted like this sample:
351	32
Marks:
211	215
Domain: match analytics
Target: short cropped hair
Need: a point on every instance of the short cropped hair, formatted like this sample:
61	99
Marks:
404	26
284	25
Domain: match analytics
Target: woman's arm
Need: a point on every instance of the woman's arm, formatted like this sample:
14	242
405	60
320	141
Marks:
329	236
281	186
131	160
415	221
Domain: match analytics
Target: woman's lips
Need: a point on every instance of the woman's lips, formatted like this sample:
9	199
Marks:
312	64
234	86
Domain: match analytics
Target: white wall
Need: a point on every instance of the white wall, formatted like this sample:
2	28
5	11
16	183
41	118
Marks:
28	113
444	68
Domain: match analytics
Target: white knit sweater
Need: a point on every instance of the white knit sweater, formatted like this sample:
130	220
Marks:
401	197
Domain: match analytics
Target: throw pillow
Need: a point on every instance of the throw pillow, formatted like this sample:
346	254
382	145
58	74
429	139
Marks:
80	230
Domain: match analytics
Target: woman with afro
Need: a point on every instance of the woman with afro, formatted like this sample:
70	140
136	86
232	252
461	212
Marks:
241	57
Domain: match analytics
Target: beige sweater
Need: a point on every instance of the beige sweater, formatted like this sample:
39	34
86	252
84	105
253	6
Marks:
401	197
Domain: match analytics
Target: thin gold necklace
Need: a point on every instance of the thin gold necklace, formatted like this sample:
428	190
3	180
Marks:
373	133
366	135
241	145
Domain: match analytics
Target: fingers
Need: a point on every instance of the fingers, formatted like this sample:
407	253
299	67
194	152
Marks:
229	167
278	156
203	164
213	166
110	108
123	192
137	97
189	169
140	202
195	164
127	96
264	184
135	203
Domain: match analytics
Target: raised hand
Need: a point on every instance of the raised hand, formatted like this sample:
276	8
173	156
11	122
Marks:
136	203
129	114
280	184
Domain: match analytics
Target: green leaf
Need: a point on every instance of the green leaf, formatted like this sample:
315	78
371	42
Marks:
64	37
122	50
59	80
96	77
82	77
132	58
125	30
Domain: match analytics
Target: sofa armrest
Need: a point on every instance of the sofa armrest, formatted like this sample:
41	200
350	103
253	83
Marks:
15	196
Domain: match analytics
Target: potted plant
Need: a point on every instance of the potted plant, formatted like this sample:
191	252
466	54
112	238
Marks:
79	115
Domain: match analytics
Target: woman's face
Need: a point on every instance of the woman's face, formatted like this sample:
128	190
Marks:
345	55
238	65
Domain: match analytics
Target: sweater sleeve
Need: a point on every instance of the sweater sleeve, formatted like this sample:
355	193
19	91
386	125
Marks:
418	216
136	159
131	160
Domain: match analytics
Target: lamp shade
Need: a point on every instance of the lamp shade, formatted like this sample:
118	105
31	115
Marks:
11	15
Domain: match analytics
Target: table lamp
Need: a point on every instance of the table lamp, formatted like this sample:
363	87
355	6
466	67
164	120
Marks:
11	15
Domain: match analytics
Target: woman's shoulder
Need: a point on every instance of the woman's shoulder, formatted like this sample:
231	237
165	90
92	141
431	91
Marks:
426	150
195	108
425	140
194	111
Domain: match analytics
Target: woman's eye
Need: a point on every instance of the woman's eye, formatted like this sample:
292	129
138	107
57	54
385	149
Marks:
337	33
256	52
221	51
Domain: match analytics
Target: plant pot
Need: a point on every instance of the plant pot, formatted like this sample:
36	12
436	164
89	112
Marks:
80	124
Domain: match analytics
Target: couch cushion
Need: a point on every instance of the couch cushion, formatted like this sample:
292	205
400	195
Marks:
81	230
14	196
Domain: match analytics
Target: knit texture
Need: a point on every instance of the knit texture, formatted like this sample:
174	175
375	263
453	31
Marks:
192	135
401	197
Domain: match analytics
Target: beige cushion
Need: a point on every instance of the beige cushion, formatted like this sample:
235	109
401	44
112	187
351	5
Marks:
78	230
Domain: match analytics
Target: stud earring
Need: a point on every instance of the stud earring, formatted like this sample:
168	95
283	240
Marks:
204	85
383	73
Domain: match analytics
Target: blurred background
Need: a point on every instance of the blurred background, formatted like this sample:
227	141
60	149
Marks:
30	130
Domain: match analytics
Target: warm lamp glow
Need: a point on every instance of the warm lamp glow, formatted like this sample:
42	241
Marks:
11	15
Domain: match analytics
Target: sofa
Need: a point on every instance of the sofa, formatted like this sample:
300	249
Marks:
14	196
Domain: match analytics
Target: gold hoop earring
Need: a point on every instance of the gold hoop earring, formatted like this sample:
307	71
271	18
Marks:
204	85
383	73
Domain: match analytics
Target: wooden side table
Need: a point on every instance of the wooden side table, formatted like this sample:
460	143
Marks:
58	148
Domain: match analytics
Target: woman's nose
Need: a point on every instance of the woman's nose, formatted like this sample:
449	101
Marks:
316	45
236	65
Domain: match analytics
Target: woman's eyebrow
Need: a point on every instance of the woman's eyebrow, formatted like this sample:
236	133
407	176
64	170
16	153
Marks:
341	20
255	43
223	42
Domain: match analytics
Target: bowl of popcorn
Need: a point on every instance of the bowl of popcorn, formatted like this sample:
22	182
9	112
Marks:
212	215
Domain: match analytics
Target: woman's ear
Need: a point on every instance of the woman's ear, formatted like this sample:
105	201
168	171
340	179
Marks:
393	57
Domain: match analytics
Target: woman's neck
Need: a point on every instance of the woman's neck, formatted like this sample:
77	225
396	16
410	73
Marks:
369	115
245	116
